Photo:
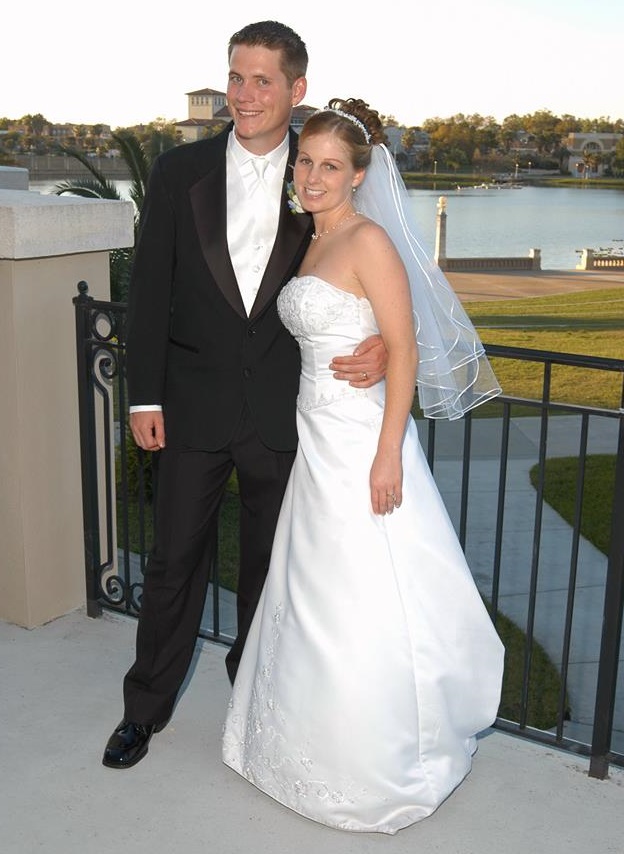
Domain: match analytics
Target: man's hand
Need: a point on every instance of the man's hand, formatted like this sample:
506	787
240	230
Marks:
365	367
148	429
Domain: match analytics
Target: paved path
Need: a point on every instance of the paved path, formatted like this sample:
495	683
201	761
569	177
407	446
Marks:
495	285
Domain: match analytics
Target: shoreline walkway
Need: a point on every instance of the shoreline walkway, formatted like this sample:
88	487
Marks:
494	285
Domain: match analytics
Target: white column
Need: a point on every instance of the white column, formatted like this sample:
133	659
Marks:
440	238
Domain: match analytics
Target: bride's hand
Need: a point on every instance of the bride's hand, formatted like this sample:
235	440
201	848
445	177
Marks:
386	483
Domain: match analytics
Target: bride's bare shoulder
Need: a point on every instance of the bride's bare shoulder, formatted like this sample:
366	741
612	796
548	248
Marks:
369	234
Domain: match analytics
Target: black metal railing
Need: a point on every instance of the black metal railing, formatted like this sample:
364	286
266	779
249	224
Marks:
566	596
117	477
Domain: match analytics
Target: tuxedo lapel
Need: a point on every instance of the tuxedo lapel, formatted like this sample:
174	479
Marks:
208	200
292	231
209	204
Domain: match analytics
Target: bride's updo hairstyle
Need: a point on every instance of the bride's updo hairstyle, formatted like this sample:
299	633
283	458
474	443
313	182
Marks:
353	122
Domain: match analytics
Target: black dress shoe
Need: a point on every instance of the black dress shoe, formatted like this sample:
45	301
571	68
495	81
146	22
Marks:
128	744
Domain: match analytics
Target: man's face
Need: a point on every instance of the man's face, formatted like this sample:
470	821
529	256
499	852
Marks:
260	98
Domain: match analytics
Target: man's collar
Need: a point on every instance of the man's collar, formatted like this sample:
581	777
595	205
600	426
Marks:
242	156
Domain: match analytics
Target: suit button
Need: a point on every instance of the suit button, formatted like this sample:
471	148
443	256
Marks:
251	332
246	373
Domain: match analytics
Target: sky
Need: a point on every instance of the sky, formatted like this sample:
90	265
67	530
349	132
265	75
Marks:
124	63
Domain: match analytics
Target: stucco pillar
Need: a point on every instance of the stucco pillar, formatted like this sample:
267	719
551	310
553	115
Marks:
587	260
47	245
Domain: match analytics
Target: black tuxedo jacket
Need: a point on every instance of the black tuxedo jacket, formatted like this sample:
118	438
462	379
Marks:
190	345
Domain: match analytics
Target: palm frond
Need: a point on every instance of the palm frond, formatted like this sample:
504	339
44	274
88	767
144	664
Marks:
87	162
89	188
138	163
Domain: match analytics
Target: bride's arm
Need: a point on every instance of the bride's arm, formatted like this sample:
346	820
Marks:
384	281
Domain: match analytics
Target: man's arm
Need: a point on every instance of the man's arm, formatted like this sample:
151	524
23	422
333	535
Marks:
366	367
149	297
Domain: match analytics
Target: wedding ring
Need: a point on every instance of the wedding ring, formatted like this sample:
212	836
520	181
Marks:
391	495
364	375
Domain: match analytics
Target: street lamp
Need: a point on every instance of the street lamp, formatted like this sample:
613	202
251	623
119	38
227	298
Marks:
516	172
530	167
435	167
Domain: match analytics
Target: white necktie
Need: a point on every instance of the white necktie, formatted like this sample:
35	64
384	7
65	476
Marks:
253	226
259	164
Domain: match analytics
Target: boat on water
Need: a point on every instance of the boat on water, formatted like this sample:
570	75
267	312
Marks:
495	186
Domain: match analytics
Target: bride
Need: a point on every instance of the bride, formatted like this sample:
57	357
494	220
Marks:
372	662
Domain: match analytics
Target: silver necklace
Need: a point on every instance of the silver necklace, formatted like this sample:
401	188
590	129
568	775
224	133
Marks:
319	234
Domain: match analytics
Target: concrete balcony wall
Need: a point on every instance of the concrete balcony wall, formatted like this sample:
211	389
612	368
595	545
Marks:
47	245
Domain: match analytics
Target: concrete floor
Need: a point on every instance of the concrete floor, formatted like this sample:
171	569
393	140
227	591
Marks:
61	697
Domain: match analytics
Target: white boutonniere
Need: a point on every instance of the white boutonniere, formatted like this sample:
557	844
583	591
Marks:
293	201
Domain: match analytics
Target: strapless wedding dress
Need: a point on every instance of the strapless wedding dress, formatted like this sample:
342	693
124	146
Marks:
372	662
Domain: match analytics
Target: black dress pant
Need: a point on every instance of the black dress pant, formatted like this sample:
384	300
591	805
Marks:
190	488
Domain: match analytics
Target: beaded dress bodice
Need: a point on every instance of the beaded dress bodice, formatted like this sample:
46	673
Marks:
326	322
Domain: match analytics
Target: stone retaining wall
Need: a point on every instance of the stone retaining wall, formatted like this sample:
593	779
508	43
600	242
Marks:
466	265
53	167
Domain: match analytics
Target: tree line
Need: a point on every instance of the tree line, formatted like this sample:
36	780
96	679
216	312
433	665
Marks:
475	141
455	143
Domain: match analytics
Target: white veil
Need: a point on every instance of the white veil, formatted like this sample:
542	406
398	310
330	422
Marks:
454	374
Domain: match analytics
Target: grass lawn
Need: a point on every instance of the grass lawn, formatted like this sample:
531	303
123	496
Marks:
560	492
590	323
544	684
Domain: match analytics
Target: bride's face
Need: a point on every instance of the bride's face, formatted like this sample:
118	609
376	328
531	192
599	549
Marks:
324	175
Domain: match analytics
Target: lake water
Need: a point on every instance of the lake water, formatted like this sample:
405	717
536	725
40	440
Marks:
509	222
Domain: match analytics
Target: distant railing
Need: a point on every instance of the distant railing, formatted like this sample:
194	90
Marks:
116	483
592	259
482	264
57	167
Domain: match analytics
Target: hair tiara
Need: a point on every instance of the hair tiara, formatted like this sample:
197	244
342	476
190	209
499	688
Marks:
351	118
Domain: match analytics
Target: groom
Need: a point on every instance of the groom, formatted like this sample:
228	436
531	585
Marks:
212	373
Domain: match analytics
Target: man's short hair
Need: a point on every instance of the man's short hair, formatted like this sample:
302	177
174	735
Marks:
275	36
